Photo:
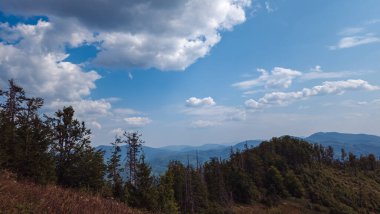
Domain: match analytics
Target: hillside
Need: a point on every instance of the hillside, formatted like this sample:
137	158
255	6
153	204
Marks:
26	197
159	158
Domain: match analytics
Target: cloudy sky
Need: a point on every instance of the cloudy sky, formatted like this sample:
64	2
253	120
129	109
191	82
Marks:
199	71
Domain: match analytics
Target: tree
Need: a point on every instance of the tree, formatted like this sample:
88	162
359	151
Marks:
25	138
167	203
134	144
293	184
32	158
14	97
275	186
74	156
143	192
214	178
114	171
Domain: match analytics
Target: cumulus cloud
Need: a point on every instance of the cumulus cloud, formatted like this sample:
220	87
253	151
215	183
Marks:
137	122
199	102
39	66
85	107
117	132
333	87
284	77
278	77
206	113
353	41
145	33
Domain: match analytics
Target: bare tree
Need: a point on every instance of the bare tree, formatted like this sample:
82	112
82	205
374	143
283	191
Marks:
134	144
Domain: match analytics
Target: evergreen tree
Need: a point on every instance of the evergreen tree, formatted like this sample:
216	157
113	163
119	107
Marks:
77	163
199	191
143	192
14	98
275	186
293	184
214	178
24	136
114	171
32	158
180	183
166	199
134	144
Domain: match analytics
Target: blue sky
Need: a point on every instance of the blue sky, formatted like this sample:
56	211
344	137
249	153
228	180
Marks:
196	72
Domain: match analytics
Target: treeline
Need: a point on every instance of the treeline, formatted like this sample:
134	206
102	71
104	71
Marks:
56	149
46	149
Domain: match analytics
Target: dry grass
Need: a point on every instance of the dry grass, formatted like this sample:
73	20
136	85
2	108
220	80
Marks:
286	207
24	197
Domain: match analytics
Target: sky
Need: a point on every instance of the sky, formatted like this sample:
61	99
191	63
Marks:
198	71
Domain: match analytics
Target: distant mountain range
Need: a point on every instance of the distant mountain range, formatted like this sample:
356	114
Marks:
159	158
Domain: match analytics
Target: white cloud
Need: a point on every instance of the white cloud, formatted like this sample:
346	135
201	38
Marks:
117	132
351	31
206	113
284	98
38	65
204	123
84	107
125	111
278	77
220	113
145	33
353	41
199	102
96	125
318	73
137	122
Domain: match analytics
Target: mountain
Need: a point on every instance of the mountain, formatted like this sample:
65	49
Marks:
358	144
159	158
183	148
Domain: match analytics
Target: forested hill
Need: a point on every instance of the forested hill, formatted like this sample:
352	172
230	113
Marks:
284	168
159	158
56	150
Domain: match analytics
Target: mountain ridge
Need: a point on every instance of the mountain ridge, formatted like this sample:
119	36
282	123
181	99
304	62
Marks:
159	158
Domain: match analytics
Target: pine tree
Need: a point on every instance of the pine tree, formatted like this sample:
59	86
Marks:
275	186
114	171
199	191
134	144
14	97
33	159
167	203
143	193
25	138
293	184
214	178
77	163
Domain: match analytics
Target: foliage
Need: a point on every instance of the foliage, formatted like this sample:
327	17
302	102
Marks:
77	163
58	149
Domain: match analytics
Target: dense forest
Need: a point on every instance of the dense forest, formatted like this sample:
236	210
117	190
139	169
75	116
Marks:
56	149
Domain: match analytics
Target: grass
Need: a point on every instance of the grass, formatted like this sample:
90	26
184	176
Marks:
26	197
